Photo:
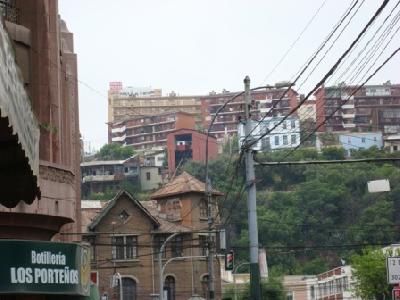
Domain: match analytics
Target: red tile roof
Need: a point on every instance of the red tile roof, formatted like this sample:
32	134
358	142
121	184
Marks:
182	184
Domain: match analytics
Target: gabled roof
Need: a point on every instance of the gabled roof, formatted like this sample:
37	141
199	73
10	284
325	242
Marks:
182	184
112	203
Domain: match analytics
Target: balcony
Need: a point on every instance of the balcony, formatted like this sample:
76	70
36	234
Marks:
348	125
98	178
118	129
348	106
119	138
348	116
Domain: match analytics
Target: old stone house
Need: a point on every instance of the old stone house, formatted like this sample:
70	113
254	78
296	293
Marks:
126	236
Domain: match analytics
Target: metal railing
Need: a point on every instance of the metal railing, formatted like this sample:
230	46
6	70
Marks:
8	11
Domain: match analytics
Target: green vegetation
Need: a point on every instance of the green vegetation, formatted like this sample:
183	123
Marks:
272	289
309	217
114	151
370	273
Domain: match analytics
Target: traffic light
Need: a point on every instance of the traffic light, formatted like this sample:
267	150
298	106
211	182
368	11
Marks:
229	260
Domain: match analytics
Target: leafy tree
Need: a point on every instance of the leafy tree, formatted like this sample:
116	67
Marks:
369	270
271	289
114	151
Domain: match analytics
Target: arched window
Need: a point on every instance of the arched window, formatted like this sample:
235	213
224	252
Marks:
204	286
128	288
169	287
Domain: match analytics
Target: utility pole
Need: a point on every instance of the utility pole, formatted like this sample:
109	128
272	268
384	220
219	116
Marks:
210	242
255	293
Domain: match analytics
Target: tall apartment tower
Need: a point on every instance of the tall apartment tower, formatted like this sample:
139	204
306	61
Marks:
372	108
129	102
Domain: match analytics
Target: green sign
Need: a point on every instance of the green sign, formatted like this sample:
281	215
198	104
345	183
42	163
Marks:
33	267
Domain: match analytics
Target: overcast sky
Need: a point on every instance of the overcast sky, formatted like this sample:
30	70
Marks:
193	47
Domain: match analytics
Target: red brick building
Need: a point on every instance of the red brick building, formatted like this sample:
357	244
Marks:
188	144
372	108
263	102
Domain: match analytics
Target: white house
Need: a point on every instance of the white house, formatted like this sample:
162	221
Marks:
284	136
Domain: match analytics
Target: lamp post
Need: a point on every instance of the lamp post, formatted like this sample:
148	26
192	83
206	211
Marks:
160	266
234	278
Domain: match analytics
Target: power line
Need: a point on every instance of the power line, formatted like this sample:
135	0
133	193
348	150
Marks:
295	41
326	76
326	162
344	102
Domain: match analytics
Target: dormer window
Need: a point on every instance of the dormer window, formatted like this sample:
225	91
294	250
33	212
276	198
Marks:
123	216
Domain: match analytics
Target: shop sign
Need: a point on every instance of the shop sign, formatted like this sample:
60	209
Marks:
33	267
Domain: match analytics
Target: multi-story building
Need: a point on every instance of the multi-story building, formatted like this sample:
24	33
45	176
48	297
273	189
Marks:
40	153
263	102
132	102
127	234
337	283
372	108
360	140
147	132
284	136
100	176
188	144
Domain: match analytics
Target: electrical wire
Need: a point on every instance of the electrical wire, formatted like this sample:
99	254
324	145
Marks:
322	81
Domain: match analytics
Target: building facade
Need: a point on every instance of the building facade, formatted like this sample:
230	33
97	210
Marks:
372	108
284	136
337	283
126	236
131	102
100	176
360	140
188	144
149	132
45	56
40	155
263	102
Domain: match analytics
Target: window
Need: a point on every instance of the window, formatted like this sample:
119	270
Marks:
124	247
203	208
289	296
363	140
204	286
147	176
276	140
203	245
158	242
123	215
128	289
284	125
293	139
293	124
285	140
177	246
169	287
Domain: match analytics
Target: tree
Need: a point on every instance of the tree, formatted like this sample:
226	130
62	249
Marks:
115	151
369	270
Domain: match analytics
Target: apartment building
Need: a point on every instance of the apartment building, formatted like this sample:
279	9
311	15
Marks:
188	144
284	136
125	103
335	284
149	132
137	229
372	108
263	102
